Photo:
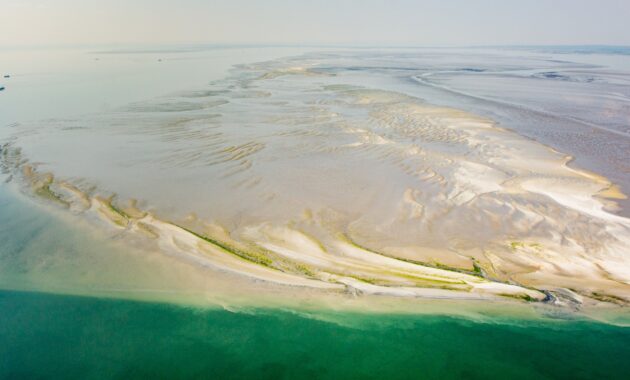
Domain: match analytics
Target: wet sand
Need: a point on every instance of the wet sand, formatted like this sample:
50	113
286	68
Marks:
285	174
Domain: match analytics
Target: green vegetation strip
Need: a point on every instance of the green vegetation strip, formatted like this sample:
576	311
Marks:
249	256
477	272
45	192
117	210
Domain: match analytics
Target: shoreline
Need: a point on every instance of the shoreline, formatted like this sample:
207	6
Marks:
310	304
328	307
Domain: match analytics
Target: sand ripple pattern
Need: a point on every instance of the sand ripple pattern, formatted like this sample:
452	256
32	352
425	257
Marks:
355	186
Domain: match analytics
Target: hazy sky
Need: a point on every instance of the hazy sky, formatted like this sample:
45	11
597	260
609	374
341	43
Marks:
393	22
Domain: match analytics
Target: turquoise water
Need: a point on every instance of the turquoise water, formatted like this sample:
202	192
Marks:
50	336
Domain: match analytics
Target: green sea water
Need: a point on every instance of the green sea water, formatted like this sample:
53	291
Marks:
51	336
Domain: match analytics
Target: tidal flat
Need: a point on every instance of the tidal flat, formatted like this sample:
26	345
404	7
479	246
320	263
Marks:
308	198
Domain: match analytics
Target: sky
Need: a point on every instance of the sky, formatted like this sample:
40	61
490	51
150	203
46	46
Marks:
315	22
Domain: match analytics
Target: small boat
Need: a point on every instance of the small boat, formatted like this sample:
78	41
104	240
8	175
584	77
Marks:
1	88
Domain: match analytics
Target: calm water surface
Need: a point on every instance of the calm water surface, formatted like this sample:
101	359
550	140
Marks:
48	336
